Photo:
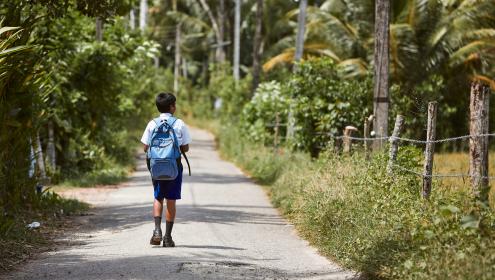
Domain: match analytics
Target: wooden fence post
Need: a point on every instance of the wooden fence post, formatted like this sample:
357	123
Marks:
430	148
394	143
381	132
346	140
367	144
275	136
478	146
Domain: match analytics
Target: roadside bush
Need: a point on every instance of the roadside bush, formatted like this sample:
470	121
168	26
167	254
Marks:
259	113
222	97
324	103
368	221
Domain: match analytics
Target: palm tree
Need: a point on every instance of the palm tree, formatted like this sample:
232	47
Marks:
257	44
237	39
426	37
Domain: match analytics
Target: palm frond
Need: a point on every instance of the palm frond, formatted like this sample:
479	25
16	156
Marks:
483	79
351	68
285	57
13	50
463	54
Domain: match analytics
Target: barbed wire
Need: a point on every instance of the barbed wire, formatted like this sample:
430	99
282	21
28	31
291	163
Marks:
413	141
448	175
441	140
276	125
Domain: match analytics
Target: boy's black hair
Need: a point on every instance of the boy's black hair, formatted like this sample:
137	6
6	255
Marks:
164	101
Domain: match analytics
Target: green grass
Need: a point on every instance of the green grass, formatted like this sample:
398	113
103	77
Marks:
357	215
105	176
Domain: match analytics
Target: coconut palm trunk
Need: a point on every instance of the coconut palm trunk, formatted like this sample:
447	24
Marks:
177	52
143	14
257	44
39	157
301	27
132	19
50	147
99	29
219	52
177	59
237	39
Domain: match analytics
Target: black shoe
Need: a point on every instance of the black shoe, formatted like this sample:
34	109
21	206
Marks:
168	242
156	239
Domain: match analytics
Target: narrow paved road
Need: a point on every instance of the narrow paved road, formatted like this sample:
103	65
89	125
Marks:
225	229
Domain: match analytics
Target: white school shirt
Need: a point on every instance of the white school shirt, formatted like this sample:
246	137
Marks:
180	128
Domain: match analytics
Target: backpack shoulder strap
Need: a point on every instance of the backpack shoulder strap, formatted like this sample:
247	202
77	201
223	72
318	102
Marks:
171	120
157	121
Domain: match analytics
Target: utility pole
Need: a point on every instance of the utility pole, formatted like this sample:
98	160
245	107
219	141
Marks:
237	39
143	13
301	29
381	90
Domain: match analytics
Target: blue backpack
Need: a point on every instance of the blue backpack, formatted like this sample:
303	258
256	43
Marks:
163	152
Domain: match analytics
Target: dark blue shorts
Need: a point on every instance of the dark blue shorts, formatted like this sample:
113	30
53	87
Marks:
168	189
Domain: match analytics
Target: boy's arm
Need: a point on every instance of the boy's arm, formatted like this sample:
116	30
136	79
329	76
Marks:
145	148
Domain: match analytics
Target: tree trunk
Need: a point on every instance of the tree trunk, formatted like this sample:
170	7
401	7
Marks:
39	157
237	39
99	29
177	59
143	13
257	44
184	68
301	29
50	147
132	19
381	90
221	32
219	53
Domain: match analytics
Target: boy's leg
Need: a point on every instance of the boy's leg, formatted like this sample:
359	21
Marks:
170	218
170	214
156	239
157	212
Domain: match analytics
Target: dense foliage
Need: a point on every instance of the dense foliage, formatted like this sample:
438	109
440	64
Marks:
69	103
377	224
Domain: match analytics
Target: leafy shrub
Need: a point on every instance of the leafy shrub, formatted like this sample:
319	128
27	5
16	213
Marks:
259	113
263	164
223	90
373	223
324	103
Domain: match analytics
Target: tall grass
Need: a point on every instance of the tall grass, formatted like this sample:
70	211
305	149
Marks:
369	221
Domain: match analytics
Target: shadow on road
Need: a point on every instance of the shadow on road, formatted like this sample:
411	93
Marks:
127	216
201	266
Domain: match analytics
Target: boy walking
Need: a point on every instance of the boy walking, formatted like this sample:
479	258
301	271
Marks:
168	190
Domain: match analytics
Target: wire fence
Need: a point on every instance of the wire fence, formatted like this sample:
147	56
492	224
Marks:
407	140
478	142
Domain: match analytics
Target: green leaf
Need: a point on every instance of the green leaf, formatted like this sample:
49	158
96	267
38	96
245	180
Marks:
13	50
470	221
7	29
448	210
